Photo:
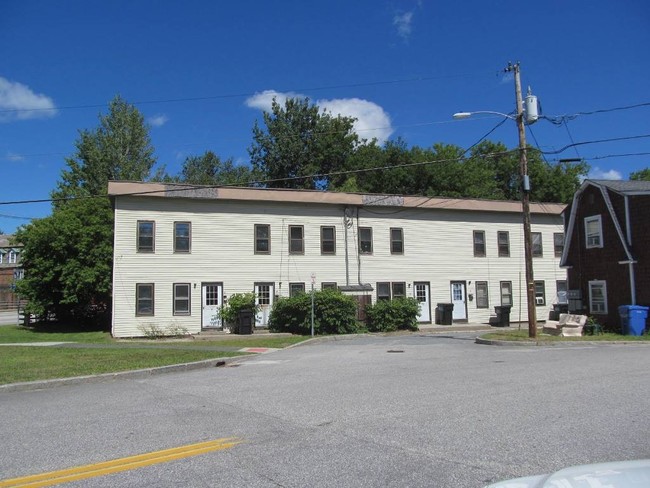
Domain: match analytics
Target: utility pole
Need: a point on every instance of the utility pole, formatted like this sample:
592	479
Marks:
525	203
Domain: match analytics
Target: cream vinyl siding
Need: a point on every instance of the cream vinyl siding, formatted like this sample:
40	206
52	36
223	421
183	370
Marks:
438	248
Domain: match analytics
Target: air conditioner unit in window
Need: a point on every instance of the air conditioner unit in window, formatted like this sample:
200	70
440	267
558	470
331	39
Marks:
539	301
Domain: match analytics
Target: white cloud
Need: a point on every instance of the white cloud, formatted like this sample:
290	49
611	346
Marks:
19	102
14	158
158	120
372	121
601	174
403	23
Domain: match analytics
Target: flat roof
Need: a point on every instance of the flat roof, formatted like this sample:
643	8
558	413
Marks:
174	190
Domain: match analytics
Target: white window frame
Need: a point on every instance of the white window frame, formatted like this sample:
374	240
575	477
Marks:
180	299
599	234
602	309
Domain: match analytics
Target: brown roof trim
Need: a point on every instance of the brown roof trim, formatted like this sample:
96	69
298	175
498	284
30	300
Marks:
131	188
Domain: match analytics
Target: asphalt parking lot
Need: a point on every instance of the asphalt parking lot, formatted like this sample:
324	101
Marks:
412	410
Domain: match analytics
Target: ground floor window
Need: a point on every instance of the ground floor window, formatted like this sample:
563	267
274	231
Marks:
181	298
296	288
383	291
328	285
598	297
561	288
506	293
144	295
482	294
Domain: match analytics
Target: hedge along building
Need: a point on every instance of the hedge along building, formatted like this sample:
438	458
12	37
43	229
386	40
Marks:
180	252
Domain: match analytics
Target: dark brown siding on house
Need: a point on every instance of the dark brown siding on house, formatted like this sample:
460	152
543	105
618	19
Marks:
599	263
640	225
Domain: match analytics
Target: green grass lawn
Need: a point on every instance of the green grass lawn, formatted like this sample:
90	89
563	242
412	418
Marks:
522	335
20	363
25	363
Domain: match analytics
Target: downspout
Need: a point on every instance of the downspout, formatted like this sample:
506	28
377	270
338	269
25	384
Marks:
347	222
628	232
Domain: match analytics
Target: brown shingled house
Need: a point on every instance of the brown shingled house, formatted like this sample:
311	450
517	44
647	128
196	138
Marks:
607	248
10	270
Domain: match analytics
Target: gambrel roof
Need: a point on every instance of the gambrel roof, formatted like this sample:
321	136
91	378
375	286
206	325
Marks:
625	188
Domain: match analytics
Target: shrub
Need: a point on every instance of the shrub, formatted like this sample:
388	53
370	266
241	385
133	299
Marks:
237	302
389	316
334	313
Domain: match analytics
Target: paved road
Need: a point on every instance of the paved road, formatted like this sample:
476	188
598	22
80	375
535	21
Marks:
419	410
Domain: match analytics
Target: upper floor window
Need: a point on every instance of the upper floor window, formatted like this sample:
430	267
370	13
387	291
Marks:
262	239
365	240
182	299
558	244
598	296
482	294
13	257
182	236
479	243
327	240
593	231
538	252
296	289
144	296
296	239
396	241
146	236
503	241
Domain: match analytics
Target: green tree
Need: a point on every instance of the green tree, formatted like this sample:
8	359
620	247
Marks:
641	175
118	149
68	256
209	169
300	140
67	259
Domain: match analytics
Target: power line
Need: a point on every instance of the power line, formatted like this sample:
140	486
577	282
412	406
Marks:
560	119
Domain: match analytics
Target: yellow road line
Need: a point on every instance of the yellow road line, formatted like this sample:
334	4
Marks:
118	465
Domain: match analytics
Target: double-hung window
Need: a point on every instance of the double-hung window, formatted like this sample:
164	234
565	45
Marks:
182	236
262	239
396	241
398	289
593	232
503	242
558	244
144	299
146	236
296	289
182	299
328	285
296	239
506	292
327	240
482	294
383	291
598	297
538	251
479	243
365	240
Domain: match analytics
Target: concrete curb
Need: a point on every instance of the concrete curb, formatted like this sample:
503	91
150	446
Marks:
490	342
133	374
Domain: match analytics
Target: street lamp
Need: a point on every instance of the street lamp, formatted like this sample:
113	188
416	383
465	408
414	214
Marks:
531	117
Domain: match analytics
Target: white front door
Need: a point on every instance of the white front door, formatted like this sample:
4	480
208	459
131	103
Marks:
458	298
211	300
264	293
422	295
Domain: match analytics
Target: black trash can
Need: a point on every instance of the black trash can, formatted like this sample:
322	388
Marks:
245	322
444	313
503	315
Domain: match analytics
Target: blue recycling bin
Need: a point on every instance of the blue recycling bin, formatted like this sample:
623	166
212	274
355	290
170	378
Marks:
633	319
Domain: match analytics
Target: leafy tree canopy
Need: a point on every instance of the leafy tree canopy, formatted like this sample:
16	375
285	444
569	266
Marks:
210	169
641	175
118	149
300	140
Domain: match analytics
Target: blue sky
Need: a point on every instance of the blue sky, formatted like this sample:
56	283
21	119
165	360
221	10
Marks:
201	72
